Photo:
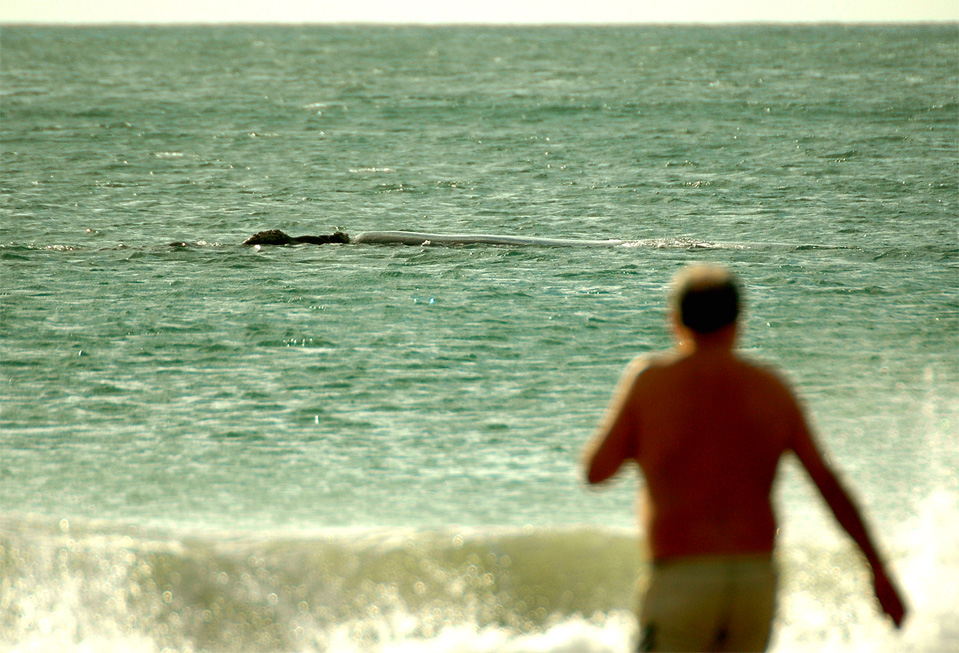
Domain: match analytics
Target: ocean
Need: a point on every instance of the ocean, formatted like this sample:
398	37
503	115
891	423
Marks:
374	447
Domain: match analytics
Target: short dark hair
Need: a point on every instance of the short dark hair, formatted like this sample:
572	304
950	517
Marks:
706	298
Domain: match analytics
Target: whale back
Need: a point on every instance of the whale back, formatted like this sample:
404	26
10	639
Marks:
423	238
277	237
269	237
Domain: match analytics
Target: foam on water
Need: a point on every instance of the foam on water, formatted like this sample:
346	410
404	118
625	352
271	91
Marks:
103	586
98	584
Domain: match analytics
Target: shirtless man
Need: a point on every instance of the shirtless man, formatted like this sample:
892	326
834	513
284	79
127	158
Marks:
707	429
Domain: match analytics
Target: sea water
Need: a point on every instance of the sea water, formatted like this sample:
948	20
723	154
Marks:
335	448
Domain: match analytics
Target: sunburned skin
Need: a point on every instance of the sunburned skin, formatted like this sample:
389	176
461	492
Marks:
721	425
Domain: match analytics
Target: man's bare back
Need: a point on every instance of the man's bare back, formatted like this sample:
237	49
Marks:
708	428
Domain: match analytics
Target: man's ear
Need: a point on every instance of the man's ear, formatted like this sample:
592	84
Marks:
677	328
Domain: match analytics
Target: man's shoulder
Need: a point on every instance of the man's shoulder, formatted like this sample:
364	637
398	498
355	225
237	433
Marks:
651	370
651	362
769	381
656	367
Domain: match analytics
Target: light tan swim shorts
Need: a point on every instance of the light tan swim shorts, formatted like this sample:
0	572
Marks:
721	603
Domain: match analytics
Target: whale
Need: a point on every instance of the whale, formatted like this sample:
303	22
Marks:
277	237
418	238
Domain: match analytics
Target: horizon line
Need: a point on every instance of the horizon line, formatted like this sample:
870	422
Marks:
361	23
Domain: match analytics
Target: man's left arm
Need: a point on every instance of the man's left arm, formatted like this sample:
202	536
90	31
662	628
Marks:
849	517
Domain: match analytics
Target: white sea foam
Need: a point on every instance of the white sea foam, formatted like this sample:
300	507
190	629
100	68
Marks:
106	586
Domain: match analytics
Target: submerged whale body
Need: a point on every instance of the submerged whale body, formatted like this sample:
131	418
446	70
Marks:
277	237
419	238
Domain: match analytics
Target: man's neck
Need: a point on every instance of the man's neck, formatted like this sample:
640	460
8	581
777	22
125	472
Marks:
717	344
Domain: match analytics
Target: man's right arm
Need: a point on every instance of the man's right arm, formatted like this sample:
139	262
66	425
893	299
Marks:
614	440
848	516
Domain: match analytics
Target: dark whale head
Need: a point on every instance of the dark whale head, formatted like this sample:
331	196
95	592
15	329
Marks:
277	237
271	237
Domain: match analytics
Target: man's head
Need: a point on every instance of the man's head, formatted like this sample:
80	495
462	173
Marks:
705	298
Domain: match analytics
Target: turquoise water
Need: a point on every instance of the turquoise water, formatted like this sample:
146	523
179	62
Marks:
374	447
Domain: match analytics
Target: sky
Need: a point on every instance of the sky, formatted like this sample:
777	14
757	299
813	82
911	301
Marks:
476	11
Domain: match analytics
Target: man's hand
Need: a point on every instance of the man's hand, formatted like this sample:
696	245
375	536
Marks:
889	599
